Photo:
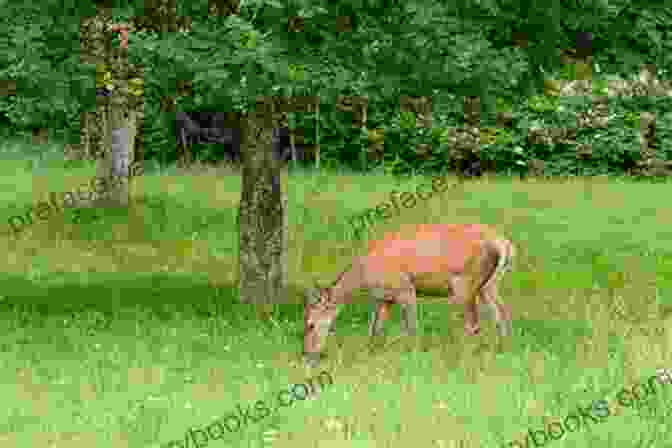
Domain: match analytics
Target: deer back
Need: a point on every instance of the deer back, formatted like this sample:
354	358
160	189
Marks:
428	253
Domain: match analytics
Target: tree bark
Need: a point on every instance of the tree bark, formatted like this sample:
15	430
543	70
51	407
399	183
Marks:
260	216
111	135
93	51
116	166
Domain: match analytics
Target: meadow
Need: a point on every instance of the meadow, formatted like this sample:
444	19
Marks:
121	328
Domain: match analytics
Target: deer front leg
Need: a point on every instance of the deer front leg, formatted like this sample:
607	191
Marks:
409	308
379	311
409	313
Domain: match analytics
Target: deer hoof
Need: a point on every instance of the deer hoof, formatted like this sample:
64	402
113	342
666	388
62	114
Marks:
472	331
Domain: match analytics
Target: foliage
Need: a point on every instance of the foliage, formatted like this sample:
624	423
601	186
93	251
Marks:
40	52
447	51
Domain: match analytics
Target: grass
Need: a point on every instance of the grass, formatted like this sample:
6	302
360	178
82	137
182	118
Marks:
123	330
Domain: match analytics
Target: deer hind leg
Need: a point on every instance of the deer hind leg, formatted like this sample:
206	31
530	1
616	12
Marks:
486	309
491	308
462	293
490	294
500	311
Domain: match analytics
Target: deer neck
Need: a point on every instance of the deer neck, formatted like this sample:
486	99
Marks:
349	281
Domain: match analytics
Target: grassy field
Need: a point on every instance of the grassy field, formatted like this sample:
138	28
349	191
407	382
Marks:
122	329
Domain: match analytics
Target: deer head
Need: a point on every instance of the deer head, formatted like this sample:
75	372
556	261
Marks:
319	314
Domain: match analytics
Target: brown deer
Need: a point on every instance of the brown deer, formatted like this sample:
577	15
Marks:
464	261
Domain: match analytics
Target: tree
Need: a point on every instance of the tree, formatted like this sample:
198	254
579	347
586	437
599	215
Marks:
283	48
260	216
109	133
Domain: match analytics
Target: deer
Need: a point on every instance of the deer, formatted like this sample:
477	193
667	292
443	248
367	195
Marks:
465	262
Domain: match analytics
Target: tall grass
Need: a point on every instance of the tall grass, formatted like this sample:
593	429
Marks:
123	329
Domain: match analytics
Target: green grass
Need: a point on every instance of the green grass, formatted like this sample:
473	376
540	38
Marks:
124	330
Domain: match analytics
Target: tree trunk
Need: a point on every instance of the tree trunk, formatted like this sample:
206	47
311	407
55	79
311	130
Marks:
119	100
260	217
116	166
93	51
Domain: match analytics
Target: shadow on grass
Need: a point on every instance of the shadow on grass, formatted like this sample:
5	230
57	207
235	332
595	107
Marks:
163	296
